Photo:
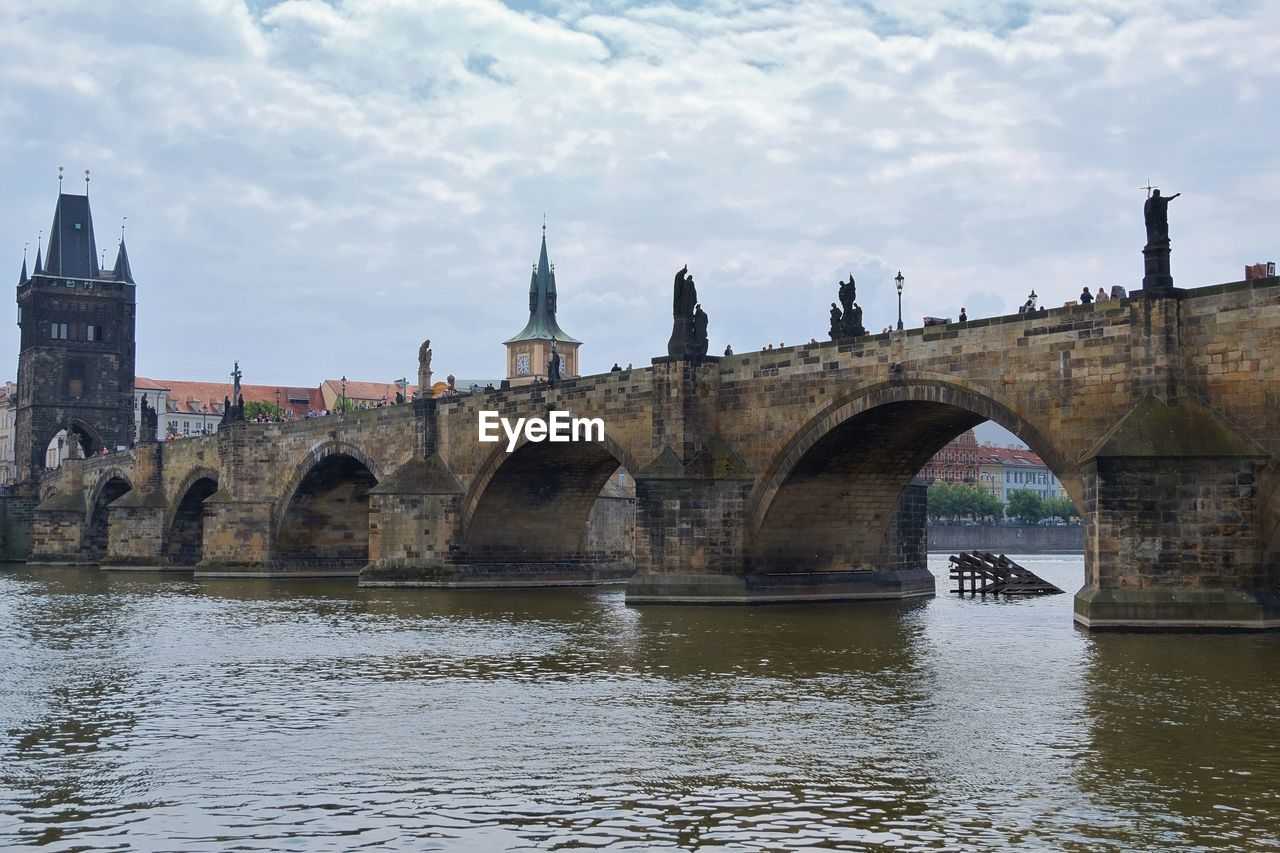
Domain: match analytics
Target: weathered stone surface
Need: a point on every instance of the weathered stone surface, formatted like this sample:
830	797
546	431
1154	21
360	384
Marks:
791	461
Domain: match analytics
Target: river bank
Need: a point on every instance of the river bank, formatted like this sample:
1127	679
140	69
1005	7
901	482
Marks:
1006	538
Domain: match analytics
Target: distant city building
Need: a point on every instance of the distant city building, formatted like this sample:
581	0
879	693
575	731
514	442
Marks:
1000	470
1009	469
364	394
529	351
8	417
196	408
955	463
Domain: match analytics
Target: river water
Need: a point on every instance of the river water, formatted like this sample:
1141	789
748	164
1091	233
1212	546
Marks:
143	711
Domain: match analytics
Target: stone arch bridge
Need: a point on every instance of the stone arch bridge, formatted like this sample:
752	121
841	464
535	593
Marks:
765	476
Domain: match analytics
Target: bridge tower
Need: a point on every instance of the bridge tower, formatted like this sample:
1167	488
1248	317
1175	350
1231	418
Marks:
76	351
529	351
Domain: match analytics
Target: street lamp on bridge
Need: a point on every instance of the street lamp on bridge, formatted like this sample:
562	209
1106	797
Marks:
899	279
342	404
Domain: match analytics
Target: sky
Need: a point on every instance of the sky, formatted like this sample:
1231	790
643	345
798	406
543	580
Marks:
312	188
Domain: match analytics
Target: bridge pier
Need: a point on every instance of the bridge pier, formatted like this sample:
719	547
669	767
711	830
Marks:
237	538
135	532
136	521
58	522
1172	535
691	549
412	517
416	540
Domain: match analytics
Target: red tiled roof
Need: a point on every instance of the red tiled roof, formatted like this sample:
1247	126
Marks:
211	395
369	391
1009	456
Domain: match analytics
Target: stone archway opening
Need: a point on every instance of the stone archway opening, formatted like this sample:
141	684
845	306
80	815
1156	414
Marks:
70	442
556	504
841	506
326	523
611	524
94	541
186	533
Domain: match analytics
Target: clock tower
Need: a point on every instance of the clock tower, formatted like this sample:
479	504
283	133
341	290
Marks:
529	352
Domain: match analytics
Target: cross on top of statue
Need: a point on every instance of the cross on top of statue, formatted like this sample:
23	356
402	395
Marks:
235	382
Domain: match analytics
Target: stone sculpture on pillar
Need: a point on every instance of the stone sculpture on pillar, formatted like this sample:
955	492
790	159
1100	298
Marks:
847	323
148	422
1155	212
689	321
424	369
699	331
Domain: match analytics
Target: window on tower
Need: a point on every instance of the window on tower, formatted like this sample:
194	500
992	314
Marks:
75	380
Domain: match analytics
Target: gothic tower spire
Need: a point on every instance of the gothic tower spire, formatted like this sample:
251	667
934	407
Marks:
529	350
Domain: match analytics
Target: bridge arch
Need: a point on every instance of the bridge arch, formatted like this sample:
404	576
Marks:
184	517
111	485
90	439
533	503
830	493
322	517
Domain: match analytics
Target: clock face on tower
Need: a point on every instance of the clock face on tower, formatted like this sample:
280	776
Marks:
522	365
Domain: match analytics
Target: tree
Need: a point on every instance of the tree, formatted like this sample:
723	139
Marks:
1060	507
254	408
947	500
941	501
987	505
1026	505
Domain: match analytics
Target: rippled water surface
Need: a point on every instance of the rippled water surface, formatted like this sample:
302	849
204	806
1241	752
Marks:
153	711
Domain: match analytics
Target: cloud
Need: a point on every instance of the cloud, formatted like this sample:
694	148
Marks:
315	187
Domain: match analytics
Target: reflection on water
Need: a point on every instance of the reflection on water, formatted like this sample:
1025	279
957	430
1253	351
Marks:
154	711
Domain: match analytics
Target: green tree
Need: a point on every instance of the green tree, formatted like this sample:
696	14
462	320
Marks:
941	500
953	500
1060	507
254	408
988	505
1026	505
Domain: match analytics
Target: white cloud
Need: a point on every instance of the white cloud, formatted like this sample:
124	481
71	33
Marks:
318	186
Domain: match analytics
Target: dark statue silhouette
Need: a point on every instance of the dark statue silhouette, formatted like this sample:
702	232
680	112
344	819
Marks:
689	322
847	323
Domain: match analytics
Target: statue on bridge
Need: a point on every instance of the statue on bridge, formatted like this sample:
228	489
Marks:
424	369
148	422
848	293
847	323
1157	278
699	331
1156	214
689	326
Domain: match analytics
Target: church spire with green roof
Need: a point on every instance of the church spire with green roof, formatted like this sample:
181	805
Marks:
542	325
